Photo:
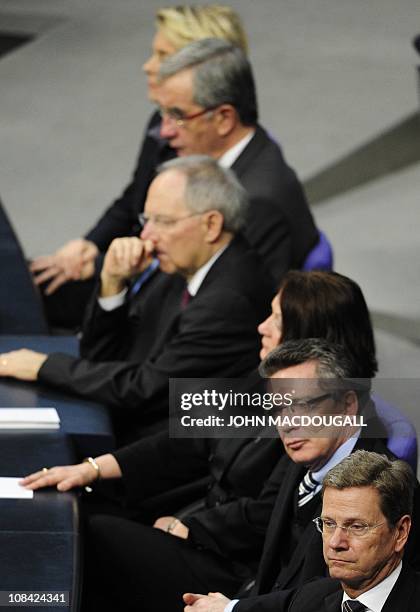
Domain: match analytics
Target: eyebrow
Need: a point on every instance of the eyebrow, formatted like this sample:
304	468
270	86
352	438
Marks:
348	520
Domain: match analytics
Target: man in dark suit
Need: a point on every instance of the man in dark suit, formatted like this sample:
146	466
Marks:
365	522
208	102
292	551
218	543
137	338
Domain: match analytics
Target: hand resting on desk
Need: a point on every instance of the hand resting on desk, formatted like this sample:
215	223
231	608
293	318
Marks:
23	364
67	477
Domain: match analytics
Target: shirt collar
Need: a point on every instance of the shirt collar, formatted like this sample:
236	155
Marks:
231	155
196	280
375	598
342	451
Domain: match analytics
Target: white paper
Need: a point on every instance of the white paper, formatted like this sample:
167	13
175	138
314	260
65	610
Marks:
29	418
10	489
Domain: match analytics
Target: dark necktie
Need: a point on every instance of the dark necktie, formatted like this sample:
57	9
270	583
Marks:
307	489
352	605
186	297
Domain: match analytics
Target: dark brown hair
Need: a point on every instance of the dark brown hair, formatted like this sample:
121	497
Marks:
331	306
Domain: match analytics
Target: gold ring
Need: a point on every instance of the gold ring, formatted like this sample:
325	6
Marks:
45	470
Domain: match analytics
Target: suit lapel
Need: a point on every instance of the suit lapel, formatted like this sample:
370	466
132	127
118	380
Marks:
402	596
248	155
279	522
332	602
169	313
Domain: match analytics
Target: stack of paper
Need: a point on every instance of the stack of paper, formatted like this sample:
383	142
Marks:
29	418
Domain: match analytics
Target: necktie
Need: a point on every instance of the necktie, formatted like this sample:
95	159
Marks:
185	299
352	605
144	276
307	489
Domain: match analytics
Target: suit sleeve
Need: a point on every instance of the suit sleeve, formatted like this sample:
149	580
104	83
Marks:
269	234
237	529
157	463
212	335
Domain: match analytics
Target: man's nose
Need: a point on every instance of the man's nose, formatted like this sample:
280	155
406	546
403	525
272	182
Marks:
168	127
339	538
148	232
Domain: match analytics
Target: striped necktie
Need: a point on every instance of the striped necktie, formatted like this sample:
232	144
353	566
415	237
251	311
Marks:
352	605
307	489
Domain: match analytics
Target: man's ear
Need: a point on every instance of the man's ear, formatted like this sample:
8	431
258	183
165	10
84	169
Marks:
214	225
402	530
226	119
351	403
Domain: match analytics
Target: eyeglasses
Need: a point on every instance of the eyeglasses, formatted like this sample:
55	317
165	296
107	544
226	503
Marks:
356	529
179	118
163	221
304	406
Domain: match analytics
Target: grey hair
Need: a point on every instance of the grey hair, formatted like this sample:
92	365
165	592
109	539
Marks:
336	369
394	481
222	75
211	187
331	359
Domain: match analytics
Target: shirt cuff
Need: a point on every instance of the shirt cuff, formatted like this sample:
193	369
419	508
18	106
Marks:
113	301
231	605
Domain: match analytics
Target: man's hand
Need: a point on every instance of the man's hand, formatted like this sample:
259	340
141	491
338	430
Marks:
74	261
125	258
23	364
213	602
172	525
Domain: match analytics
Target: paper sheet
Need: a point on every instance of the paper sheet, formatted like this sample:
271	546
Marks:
10	489
29	418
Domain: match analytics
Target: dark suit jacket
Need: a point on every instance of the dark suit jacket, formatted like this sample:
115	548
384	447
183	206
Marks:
276	579
129	354
326	595
234	471
280	225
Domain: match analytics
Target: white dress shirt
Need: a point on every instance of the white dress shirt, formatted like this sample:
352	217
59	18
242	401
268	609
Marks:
375	598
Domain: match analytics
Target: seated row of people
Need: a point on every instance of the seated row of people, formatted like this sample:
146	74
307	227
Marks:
184	300
249	524
207	101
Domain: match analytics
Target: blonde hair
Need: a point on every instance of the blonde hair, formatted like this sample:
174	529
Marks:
184	24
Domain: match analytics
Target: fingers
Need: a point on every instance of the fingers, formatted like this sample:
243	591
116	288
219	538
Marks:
43	262
41	479
59	280
64	477
47	274
127	256
191	598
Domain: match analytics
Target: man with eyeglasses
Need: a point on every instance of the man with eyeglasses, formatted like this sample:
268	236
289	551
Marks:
365	523
292	552
208	104
197	318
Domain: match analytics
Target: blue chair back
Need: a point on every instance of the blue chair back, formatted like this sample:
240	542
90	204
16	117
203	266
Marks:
402	437
321	257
